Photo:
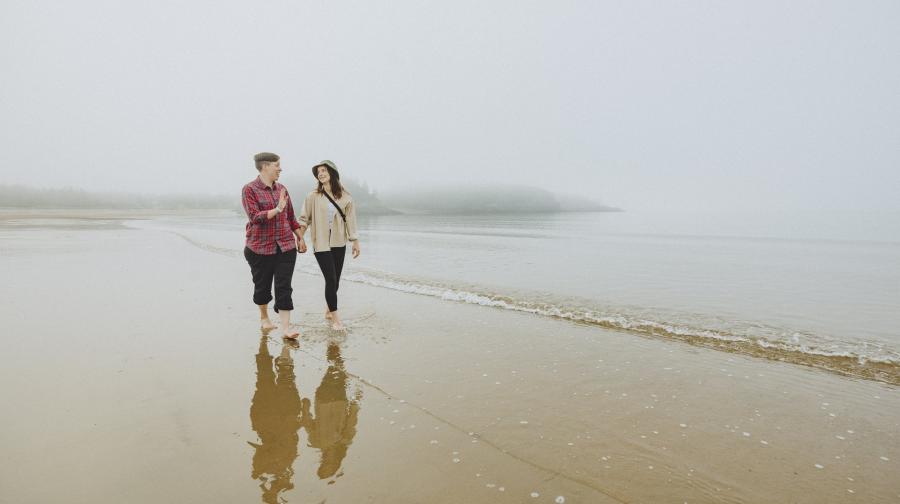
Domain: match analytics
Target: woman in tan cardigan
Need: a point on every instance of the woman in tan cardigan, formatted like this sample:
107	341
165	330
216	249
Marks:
331	217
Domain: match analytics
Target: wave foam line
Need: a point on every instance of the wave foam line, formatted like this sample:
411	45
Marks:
845	362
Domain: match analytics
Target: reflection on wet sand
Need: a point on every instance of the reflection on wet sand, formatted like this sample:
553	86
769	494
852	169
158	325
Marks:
333	427
275	416
277	412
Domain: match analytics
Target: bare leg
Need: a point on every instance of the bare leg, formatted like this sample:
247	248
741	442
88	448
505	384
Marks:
286	330
264	321
336	323
327	313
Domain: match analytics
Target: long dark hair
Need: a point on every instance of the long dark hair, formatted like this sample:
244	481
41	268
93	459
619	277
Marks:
336	188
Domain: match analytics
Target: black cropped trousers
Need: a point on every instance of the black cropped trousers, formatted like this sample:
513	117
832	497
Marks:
277	267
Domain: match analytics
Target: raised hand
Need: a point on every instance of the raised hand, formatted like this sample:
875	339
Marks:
282	200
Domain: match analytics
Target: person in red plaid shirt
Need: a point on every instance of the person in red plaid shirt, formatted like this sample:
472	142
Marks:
273	239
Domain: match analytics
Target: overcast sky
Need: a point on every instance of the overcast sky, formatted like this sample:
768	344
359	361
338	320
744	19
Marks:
665	105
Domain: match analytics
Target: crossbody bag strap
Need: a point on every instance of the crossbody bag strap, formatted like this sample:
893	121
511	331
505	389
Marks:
335	206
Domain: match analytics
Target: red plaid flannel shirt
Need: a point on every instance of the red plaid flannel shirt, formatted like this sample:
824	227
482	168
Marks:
262	233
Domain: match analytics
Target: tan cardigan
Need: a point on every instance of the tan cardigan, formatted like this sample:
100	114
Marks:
315	216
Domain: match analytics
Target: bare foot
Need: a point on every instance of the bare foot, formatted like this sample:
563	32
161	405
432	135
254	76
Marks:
266	324
291	334
336	323
327	315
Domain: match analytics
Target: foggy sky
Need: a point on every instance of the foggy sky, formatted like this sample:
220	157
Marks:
664	105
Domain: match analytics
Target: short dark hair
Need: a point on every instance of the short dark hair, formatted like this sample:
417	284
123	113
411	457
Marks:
265	157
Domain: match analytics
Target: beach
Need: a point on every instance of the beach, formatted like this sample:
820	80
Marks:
134	370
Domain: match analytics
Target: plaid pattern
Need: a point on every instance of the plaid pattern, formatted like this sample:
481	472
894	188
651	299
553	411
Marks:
263	234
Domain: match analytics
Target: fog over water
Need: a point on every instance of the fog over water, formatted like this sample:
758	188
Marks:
696	106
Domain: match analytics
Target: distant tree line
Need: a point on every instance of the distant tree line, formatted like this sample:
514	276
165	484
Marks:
449	200
17	196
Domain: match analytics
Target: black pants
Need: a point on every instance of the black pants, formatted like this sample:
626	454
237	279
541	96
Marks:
266	268
331	263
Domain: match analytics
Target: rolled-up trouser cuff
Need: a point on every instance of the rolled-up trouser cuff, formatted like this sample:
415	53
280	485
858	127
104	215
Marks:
262	300
284	305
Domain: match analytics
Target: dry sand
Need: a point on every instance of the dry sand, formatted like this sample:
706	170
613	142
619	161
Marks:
133	371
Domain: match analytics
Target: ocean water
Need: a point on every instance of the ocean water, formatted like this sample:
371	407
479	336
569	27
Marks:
816	289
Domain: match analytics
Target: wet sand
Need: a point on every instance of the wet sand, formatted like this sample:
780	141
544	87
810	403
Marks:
134	371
